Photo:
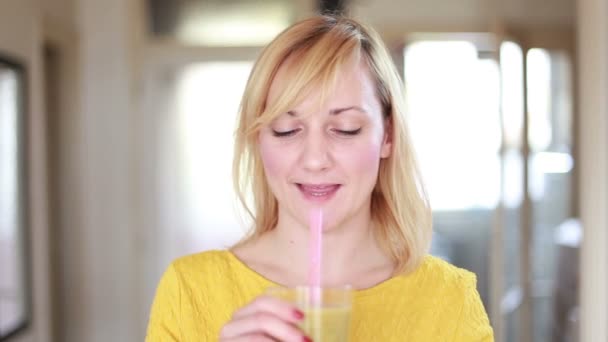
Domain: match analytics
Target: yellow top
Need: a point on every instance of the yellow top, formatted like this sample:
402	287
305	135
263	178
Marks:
437	302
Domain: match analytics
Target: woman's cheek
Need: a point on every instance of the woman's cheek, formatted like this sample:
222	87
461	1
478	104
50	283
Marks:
365	159
271	158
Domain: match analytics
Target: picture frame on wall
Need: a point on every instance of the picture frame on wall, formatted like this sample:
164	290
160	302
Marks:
15	285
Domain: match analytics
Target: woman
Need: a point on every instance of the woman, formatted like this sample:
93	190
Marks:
321	126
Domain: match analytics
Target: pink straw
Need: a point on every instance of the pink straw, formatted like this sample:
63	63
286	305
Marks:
314	262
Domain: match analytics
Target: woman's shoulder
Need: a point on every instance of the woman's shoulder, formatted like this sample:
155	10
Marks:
433	277
438	273
205	258
202	262
454	290
458	289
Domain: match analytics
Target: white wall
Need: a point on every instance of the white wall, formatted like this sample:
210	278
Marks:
593	180
110	249
387	15
66	164
59	11
23	16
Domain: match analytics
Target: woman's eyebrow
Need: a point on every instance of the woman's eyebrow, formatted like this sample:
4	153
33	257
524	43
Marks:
337	111
334	111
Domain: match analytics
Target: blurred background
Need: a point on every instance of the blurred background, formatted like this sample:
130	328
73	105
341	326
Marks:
116	121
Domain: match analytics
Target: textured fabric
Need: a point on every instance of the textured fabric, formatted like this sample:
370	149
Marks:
437	302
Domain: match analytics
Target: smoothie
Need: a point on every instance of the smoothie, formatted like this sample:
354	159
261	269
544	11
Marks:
329	324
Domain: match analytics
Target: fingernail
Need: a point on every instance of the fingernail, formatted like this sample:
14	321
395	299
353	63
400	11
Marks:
306	339
298	314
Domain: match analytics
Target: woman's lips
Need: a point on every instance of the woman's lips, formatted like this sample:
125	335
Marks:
318	192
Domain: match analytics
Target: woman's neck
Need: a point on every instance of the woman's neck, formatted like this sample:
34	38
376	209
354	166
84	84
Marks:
351	255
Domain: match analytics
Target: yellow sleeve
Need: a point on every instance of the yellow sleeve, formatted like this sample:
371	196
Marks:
164	315
474	325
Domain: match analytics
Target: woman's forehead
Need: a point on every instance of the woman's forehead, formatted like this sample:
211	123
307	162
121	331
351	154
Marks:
352	79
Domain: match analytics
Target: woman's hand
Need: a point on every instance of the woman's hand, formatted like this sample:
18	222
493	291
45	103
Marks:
265	319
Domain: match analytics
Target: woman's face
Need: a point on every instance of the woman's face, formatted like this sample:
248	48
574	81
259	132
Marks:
326	156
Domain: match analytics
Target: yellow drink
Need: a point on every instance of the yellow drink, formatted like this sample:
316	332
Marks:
330	324
326	310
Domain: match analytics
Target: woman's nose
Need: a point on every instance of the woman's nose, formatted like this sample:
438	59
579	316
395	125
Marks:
315	153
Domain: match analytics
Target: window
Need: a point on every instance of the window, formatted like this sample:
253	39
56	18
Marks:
452	94
199	203
14	294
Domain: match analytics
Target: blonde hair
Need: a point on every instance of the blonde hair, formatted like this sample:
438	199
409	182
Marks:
321	45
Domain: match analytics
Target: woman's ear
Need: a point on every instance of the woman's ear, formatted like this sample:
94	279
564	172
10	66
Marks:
387	140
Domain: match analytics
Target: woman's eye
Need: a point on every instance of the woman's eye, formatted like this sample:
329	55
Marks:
284	133
348	132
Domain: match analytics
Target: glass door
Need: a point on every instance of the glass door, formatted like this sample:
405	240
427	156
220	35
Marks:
491	121
453	92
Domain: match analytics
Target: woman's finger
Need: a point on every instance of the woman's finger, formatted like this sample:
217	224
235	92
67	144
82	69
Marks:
252	338
262	323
